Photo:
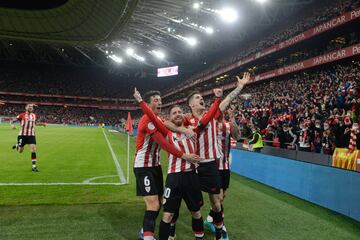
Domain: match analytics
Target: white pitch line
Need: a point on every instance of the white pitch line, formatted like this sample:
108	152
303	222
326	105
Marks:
117	165
58	184
100	177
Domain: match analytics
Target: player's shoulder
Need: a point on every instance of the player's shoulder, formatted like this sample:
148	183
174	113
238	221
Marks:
144	120
20	115
146	124
190	120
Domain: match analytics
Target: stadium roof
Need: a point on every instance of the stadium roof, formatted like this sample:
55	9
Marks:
87	32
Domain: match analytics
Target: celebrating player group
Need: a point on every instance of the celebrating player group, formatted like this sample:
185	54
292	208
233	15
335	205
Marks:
198	146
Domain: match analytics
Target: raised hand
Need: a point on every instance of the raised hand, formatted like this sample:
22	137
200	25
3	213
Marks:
137	96
244	80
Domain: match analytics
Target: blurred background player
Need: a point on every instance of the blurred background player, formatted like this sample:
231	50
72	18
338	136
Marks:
27	133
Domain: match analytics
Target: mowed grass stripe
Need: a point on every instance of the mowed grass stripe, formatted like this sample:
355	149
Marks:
65	154
252	211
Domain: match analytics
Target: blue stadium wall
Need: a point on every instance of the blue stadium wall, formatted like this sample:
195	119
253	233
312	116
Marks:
332	188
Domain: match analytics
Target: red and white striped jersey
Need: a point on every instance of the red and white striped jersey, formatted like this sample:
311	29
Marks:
147	150
224	141
207	147
184	144
27	123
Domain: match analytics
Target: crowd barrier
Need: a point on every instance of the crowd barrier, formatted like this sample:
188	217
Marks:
332	188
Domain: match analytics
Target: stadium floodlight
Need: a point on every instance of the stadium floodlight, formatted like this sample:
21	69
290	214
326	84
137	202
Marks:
196	5
228	15
107	52
191	41
141	59
116	58
159	54
261	1
209	30
130	51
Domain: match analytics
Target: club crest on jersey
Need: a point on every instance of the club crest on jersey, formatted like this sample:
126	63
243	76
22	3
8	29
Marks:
147	189
151	126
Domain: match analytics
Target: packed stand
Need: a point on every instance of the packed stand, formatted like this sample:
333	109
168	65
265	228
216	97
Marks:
64	81
323	12
72	115
312	111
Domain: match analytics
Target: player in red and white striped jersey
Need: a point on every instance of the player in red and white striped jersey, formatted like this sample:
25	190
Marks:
147	168
182	181
208	149
227	130
27	133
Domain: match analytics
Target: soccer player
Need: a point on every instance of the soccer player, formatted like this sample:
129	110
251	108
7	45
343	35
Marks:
27	133
147	168
182	181
208	149
227	129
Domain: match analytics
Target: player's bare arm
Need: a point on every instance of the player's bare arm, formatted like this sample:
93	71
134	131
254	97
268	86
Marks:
241	82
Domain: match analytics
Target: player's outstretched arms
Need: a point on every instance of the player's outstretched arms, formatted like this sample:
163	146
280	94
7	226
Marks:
170	148
213	109
241	82
153	118
181	129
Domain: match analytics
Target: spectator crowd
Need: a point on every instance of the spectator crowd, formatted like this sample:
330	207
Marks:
322	12
316	110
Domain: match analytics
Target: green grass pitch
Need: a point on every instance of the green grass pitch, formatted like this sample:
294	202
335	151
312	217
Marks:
50	207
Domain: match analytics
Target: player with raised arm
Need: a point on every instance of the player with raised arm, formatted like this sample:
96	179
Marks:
209	150
27	133
226	129
147	168
182	181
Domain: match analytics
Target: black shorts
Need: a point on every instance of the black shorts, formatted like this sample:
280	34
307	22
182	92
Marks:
23	140
149	181
209	177
224	179
184	185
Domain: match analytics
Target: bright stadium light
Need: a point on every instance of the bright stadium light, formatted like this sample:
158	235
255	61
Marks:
196	5
191	41
261	1
116	58
209	30
159	54
130	51
228	15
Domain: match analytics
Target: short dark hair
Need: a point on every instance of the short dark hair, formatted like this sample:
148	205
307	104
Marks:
189	97
174	106
147	96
